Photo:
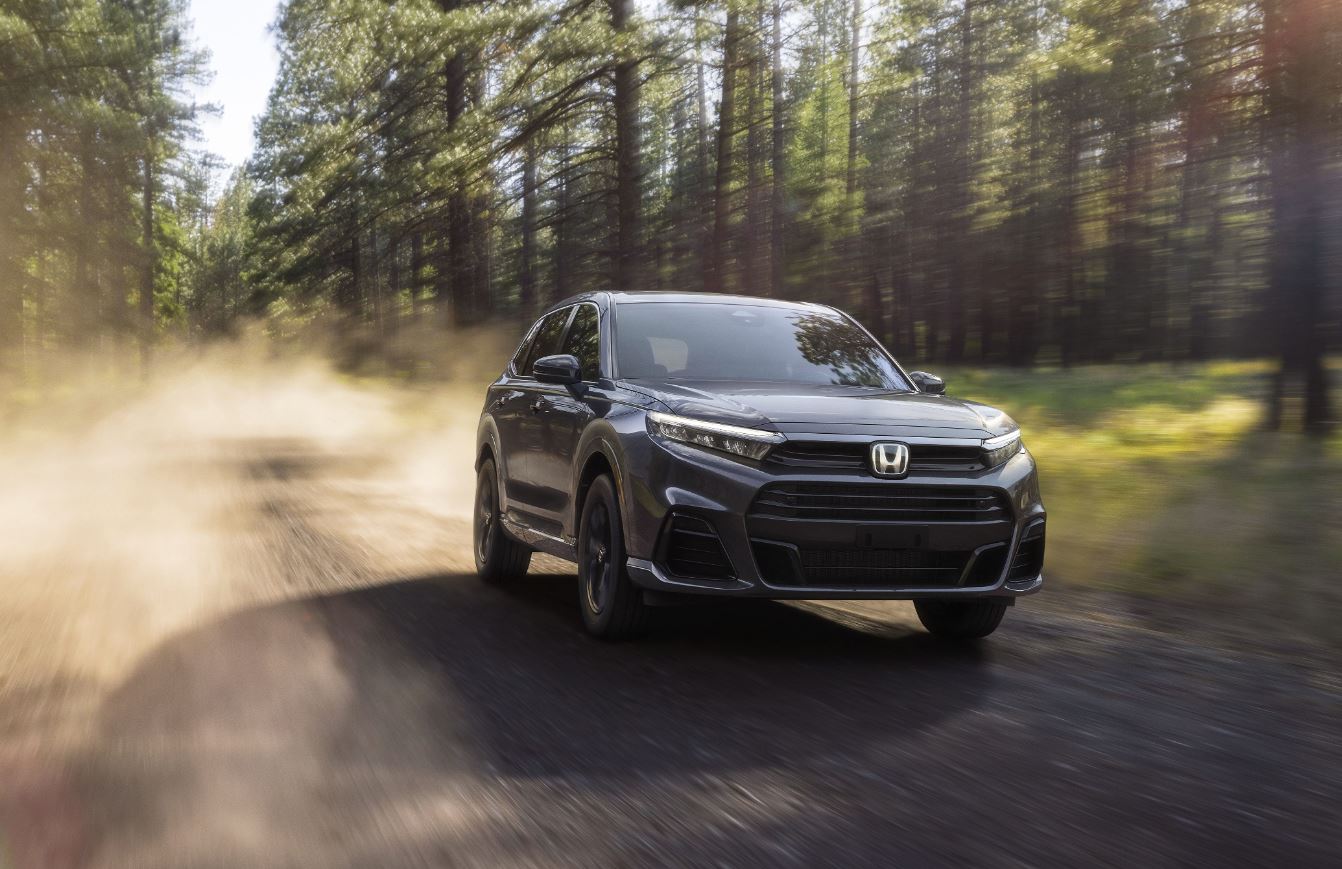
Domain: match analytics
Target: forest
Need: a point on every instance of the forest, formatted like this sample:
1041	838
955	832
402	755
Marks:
1013	183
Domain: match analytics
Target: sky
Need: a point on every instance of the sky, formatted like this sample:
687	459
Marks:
244	61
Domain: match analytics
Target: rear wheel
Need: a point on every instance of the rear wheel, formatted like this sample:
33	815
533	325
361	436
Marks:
497	556
960	619
612	606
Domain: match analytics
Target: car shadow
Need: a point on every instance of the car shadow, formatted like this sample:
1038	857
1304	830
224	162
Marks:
509	673
352	704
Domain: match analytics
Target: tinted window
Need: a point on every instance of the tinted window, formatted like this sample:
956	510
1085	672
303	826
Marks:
547	339
524	351
584	341
712	341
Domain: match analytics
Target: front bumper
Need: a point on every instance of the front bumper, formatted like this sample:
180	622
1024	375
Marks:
686	481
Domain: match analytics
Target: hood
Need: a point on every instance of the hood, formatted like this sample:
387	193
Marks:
827	409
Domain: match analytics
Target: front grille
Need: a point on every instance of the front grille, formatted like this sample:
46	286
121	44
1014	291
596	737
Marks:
693	549
879	502
851	456
1029	560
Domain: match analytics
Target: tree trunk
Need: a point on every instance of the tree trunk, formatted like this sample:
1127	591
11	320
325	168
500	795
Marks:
457	283
482	221
149	262
854	51
753	232
963	174
1127	286
860	276
1023	321
561	247
526	267
11	270
778	153
1297	63
1067	326
626	151
417	264
392	316
722	200
908	286
703	186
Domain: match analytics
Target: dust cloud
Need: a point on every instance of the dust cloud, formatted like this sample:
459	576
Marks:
133	513
136	515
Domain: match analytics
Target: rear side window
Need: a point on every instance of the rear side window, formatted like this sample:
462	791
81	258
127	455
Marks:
548	336
520	358
584	341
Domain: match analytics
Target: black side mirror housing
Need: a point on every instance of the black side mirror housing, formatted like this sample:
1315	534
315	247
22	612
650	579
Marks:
929	383
562	368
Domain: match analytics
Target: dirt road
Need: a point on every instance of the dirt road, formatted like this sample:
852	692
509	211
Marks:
238	627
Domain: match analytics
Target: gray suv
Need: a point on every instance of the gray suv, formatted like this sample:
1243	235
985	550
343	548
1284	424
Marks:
687	444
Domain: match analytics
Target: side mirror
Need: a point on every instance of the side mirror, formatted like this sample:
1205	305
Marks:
929	383
560	368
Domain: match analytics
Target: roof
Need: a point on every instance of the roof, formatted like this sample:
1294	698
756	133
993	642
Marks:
626	298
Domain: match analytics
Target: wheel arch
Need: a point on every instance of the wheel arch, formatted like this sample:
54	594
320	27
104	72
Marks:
600	460
486	442
596	464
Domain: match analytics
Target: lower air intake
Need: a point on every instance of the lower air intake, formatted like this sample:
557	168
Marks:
1029	560
694	550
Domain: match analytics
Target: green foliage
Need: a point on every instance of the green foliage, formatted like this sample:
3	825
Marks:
94	176
1160	481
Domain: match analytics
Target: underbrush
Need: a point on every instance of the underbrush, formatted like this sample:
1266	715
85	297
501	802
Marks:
1160	482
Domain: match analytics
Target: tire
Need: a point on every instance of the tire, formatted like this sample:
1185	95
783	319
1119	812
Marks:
612	606
960	619
497	556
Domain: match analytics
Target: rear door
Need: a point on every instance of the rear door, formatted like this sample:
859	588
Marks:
563	414
507	405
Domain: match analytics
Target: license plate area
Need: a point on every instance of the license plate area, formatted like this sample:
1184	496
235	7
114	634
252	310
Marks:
892	536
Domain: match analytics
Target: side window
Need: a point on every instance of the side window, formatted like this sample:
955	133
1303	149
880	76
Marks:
520	357
584	341
547	339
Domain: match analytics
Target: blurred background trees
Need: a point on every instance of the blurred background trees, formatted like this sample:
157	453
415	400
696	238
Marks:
97	195
1015	182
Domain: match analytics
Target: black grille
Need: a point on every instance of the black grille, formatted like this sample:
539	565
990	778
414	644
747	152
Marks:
881	567
877	502
1029	560
852	456
693	549
781	564
928	458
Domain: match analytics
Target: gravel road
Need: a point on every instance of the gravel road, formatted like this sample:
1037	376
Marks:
249	635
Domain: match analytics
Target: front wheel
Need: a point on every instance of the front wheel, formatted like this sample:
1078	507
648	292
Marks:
960	619
612	606
497	556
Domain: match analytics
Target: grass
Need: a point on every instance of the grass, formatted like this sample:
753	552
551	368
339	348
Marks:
1159	482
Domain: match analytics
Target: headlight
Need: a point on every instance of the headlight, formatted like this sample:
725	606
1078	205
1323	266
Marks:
748	442
997	450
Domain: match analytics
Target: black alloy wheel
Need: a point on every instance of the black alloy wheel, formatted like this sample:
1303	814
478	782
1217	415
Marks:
497	556
612	606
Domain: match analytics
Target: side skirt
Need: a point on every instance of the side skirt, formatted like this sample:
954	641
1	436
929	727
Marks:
540	540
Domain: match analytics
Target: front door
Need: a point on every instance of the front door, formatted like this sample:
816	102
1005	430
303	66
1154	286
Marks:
563	412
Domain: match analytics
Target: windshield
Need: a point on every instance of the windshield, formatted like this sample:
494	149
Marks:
717	341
